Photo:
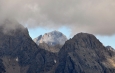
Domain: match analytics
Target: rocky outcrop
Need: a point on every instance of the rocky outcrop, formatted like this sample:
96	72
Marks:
110	48
52	41
21	55
85	54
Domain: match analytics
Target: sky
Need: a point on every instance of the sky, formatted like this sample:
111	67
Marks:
41	31
107	40
92	16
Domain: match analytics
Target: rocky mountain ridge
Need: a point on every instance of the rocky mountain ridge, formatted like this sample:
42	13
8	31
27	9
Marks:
84	53
52	38
19	54
52	41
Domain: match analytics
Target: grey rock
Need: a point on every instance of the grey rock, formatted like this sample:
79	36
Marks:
52	38
21	55
52	41
85	54
53	49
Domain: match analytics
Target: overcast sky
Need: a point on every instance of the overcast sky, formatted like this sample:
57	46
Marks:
92	16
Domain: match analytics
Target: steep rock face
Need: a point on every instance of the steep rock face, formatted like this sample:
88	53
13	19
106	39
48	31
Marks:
85	54
21	55
51	41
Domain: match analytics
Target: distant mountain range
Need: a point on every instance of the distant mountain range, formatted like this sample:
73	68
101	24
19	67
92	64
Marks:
84	53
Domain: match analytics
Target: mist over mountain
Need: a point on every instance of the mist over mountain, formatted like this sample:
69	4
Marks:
83	53
53	52
19	53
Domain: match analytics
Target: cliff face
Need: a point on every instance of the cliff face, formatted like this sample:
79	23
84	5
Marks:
21	55
85	54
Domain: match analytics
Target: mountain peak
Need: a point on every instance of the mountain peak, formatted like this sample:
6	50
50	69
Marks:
86	40
83	35
84	53
55	33
52	38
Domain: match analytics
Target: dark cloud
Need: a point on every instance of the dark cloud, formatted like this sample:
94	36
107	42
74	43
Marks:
93	16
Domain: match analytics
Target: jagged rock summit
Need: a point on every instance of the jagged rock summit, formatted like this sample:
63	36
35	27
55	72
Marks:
52	38
52	41
84	53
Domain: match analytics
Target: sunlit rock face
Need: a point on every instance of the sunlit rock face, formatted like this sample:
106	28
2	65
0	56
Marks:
84	53
51	41
52	38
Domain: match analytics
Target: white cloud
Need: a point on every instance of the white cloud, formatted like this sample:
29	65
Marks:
93	16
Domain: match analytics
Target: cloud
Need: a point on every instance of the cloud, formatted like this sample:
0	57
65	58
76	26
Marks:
92	16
